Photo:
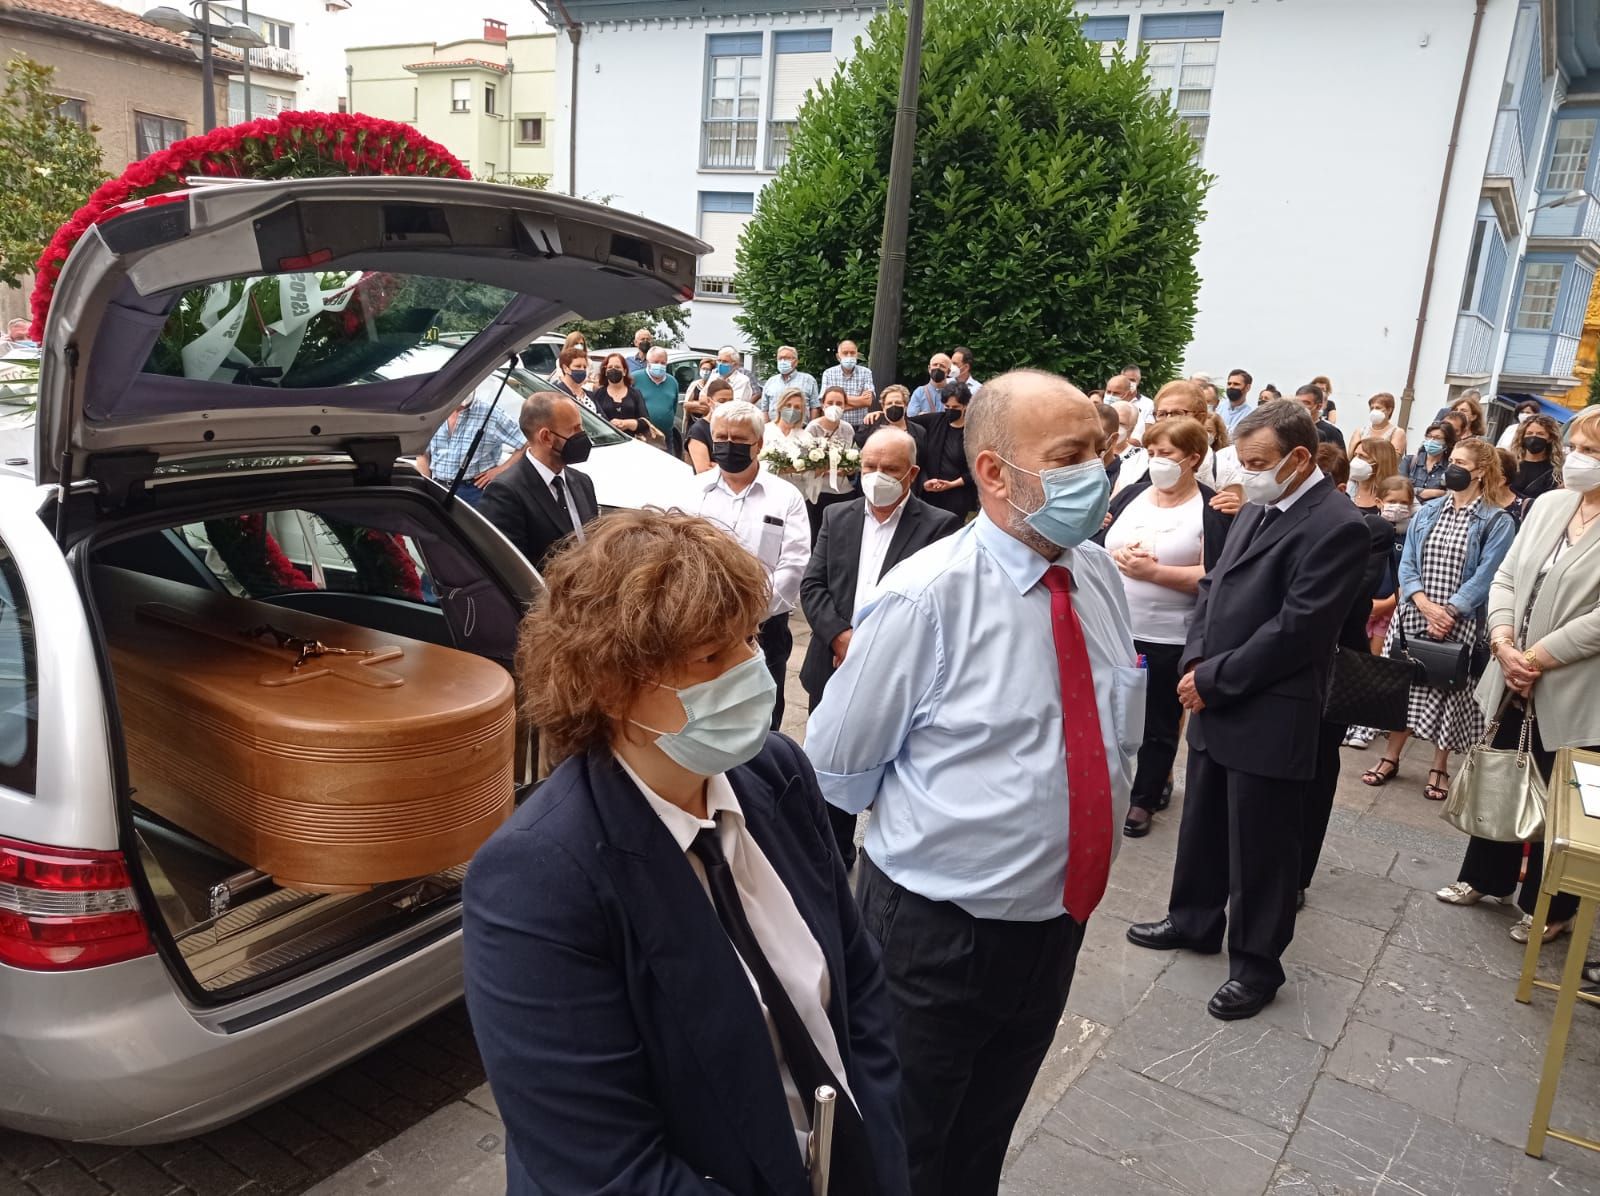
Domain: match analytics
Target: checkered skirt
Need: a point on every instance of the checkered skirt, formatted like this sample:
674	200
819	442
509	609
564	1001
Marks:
1449	720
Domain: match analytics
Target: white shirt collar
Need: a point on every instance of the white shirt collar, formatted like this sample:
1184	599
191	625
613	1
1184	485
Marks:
713	480
545	471
682	825
889	524
1288	500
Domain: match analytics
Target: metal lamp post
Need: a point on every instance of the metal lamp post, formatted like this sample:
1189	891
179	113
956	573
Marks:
241	37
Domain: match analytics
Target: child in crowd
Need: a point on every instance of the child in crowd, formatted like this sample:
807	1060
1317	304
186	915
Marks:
1399	504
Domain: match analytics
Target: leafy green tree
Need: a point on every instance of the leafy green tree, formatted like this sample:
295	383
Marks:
1054	211
1594	388
48	166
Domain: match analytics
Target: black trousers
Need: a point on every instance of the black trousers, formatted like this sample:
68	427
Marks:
1318	805
1163	714
1238	866
777	641
977	1003
823	502
1492	867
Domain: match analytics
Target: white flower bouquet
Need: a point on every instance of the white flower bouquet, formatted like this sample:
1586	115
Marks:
800	454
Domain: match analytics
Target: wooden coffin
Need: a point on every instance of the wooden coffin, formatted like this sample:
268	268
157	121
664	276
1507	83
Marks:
343	771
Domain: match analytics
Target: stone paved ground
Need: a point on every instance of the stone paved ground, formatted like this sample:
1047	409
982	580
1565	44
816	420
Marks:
1395	1063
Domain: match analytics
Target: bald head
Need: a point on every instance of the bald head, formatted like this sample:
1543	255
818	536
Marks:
1119	387
889	450
1127	415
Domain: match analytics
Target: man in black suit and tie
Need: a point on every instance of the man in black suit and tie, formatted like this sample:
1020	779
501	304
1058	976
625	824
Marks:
538	501
858	542
1255	674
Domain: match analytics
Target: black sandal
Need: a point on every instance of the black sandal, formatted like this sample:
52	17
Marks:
1376	777
1433	792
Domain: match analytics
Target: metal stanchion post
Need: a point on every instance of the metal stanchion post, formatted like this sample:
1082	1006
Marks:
821	1142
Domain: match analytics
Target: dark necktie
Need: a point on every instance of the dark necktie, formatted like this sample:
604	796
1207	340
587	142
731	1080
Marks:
1088	775
559	489
853	1172
1272	516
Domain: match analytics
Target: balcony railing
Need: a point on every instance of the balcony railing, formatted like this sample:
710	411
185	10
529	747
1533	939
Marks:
728	144
1574	222
778	134
1507	158
716	286
1473	345
1546	355
276	58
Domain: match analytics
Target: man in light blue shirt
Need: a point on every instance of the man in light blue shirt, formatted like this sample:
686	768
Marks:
946	719
1238	403
786	379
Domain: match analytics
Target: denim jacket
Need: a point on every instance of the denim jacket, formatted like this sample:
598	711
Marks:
1488	541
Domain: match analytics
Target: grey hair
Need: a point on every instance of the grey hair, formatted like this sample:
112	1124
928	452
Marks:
651	356
1290	423
740	412
539	411
788	349
897	436
727	351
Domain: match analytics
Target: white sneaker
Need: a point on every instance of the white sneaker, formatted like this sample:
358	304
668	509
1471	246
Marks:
1459	892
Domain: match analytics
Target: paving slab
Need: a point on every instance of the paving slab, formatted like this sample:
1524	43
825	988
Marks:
1335	945
1247	1067
1311	1004
1113	975
458	1151
1163	1135
1357	896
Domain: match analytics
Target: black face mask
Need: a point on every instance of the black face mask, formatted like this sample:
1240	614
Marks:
730	456
938	374
1234	394
894	414
1536	444
644	347
575	448
1457	479
613	375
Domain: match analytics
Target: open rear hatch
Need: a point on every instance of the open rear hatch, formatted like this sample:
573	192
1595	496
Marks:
243	322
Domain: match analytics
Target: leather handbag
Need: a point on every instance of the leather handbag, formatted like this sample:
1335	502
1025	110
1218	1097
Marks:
1499	793
1369	691
1445	664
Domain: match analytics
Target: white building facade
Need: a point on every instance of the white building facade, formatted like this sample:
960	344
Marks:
1326	123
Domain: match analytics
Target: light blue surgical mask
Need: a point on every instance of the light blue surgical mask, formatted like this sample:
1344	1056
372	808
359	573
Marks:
724	368
785	366
791	415
1433	447
849	362
1076	499
729	718
657	370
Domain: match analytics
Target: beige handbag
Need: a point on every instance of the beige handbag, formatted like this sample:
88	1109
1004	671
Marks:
1499	794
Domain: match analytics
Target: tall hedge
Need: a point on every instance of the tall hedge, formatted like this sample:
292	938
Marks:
1054	210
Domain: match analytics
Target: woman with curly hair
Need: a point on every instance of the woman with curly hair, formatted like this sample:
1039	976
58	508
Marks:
1537	448
663	958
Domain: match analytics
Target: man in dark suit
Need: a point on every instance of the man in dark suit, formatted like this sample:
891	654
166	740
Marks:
1255	674
881	530
538	501
1310	397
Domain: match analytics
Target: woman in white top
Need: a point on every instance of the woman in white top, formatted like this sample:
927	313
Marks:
787	430
830	427
1380	423
1158	537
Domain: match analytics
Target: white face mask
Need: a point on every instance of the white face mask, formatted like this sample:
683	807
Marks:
1360	469
834	413
1262	485
1377	415
882	489
1524	416
1581	472
1165	474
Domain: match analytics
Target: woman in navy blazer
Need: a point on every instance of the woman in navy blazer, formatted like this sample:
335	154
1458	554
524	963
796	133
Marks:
626	1044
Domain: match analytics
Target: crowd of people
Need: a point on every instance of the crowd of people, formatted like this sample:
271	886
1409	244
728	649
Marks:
1016	603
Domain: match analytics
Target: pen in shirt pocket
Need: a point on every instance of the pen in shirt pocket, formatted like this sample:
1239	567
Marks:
1141	661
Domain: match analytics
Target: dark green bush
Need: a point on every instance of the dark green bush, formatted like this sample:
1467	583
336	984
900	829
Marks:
1054	213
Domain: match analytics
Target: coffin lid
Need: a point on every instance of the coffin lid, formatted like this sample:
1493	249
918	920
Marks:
279	300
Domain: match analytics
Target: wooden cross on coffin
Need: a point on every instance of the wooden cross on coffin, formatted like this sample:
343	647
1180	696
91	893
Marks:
309	659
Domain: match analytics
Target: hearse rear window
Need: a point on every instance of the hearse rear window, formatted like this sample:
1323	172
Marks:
19	682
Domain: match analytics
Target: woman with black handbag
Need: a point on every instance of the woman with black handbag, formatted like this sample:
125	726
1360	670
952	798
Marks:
1544	631
1453	548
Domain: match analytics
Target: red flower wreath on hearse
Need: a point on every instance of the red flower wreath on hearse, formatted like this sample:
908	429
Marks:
292	145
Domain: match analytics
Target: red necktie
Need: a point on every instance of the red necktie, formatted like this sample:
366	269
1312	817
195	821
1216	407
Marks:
1088	777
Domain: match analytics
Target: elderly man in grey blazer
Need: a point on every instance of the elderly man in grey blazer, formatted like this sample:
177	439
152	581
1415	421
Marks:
1544	633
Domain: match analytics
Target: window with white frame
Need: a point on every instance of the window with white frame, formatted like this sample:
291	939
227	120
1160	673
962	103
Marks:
799	59
1541	290
1486	267
488	98
1571	143
460	95
723	215
733	101
530	130
1183	63
1110	32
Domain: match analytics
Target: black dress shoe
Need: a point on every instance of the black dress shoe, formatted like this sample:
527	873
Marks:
1237	1000
1164	936
1165	799
1135	828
